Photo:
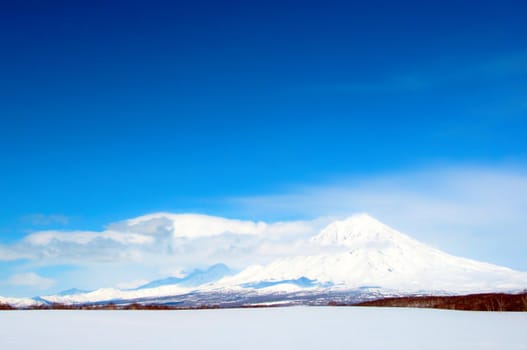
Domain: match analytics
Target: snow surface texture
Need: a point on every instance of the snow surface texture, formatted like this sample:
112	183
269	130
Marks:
350	254
276	328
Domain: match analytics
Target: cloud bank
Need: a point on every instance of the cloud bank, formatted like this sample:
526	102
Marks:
177	240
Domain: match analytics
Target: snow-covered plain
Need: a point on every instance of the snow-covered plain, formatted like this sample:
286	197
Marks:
272	328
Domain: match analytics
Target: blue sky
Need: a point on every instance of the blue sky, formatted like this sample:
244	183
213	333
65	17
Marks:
111	110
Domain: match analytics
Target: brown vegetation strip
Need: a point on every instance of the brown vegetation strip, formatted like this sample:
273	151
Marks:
110	306
473	302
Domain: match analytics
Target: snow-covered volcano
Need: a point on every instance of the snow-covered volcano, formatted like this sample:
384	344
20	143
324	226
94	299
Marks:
374	254
355	254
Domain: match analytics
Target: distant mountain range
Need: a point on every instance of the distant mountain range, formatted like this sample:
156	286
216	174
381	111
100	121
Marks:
193	279
359	259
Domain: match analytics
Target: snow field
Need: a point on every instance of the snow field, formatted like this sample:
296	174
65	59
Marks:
270	328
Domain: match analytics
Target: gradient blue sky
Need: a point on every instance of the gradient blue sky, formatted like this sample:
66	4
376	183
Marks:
111	110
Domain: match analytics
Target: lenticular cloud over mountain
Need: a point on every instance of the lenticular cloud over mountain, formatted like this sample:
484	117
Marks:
296	262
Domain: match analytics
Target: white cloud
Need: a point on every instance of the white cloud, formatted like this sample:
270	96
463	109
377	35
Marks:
199	225
30	279
11	254
194	225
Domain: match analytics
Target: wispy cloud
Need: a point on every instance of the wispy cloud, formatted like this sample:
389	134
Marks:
410	82
30	279
46	238
46	220
11	253
431	75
